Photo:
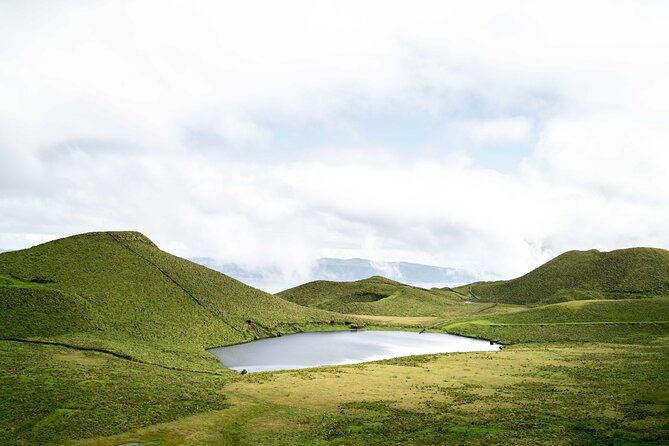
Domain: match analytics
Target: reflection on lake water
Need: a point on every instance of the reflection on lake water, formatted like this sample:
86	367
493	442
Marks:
315	349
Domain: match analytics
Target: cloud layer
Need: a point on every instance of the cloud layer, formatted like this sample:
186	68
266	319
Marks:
269	134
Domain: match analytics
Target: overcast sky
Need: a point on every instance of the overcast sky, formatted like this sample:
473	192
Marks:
488	136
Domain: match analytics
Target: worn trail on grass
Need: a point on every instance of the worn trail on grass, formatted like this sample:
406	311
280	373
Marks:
106	352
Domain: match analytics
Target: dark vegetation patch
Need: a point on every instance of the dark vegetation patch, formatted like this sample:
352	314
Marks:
368	297
41	279
379	423
410	361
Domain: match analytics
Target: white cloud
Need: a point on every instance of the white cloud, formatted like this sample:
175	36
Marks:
153	116
515	129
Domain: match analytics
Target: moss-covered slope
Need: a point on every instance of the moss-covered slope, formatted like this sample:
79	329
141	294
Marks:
375	296
118	291
624	273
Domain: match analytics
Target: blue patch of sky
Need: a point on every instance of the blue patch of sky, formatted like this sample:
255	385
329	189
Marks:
409	133
503	157
203	138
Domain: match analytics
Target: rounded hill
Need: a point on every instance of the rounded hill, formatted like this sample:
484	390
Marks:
623	273
117	291
374	296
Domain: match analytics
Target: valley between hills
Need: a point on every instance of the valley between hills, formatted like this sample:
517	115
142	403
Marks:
103	341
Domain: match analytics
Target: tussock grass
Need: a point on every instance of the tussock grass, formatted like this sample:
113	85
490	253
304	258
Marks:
53	394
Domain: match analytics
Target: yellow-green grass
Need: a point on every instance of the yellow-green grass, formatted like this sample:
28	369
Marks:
623	273
559	393
549	394
373	296
397	321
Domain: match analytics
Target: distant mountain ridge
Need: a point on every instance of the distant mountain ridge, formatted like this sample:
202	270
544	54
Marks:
346	270
357	269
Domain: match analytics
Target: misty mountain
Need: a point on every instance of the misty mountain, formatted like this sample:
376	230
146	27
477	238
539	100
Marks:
349	270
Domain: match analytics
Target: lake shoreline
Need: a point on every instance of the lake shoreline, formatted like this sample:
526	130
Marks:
341	347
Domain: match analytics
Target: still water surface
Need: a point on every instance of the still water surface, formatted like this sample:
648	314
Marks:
315	349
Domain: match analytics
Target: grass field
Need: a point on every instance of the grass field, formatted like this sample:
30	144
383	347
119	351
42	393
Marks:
103	339
590	382
547	394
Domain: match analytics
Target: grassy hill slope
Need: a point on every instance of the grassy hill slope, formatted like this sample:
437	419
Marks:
117	291
624	273
583	311
613	321
375	296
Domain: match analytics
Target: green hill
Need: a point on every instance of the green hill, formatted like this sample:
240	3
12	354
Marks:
116	291
624	273
610	320
586	311
375	296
